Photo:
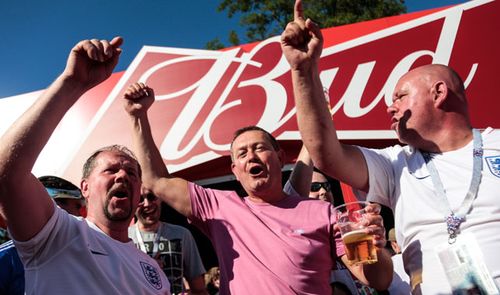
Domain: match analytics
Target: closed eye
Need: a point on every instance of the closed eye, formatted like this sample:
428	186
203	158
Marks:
261	147
132	172
241	154
399	97
110	171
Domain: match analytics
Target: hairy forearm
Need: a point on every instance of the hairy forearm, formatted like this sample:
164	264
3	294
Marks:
313	116
24	140
19	149
343	162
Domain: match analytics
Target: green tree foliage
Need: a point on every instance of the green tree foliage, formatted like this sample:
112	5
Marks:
266	18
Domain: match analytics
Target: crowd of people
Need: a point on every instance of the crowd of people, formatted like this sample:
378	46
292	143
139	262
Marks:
106	236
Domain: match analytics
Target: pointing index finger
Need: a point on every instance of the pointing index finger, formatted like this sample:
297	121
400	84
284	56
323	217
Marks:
298	12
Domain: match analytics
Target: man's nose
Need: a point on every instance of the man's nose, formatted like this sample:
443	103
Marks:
391	110
147	202
251	154
121	175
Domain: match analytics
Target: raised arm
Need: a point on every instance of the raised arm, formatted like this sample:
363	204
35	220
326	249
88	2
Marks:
173	190
23	199
302	44
300	178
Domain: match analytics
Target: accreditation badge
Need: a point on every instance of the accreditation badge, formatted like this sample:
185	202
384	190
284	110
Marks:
464	266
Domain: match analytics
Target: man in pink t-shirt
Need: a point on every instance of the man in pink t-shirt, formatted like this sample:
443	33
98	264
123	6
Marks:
268	242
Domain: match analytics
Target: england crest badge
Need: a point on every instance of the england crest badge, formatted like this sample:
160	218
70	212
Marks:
494	164
152	275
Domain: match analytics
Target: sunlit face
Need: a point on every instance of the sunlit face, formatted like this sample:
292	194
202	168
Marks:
410	106
256	164
149	210
216	279
395	247
113	187
322	194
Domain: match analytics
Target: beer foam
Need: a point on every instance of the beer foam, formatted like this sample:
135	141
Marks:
357	235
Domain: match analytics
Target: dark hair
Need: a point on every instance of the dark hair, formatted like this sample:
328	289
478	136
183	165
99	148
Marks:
269	136
57	182
315	169
90	163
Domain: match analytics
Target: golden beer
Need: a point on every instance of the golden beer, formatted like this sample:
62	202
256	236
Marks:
359	247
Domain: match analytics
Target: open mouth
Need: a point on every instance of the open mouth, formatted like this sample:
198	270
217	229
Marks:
256	170
147	212
394	123
119	193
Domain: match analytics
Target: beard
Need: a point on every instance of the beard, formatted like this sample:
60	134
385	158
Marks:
123	216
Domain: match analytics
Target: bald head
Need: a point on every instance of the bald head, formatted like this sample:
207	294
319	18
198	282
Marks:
433	73
428	103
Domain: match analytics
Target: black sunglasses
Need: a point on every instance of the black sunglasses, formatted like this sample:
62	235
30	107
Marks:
316	186
150	196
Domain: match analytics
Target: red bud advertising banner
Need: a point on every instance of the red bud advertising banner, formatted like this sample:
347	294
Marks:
203	96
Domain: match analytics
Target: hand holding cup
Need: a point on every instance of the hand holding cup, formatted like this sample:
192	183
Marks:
362	231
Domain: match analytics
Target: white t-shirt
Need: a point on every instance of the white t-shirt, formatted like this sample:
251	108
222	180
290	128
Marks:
400	180
73	256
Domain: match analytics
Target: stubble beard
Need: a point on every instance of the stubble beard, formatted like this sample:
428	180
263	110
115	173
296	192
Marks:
116	217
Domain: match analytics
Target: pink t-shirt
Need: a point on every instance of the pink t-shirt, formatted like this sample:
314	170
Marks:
280	248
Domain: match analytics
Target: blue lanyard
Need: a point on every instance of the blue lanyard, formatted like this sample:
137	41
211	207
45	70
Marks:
454	219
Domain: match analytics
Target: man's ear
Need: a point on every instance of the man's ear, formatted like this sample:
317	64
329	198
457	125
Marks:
233	169
440	93
84	187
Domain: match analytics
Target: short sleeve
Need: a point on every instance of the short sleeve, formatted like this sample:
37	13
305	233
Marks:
381	175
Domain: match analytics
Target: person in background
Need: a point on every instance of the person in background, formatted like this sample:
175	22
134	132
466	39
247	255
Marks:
67	196
212	280
391	238
320	188
171	245
400	284
307	180
267	242
441	184
61	253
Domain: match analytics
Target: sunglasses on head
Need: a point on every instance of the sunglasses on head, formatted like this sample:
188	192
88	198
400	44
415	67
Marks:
150	196
316	186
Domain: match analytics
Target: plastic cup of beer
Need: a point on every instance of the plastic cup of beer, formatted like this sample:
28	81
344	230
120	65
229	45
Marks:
359	246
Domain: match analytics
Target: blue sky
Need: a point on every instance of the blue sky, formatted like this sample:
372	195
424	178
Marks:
36	36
